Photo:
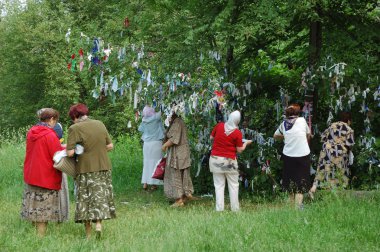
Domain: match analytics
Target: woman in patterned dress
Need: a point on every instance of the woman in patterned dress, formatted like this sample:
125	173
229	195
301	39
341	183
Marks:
94	194
41	202
334	157
177	180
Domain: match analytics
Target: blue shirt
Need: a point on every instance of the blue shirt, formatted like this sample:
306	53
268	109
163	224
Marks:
151	128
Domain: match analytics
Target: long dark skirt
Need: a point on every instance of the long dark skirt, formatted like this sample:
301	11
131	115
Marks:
296	174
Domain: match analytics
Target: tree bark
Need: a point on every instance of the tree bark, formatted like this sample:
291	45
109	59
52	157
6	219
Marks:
315	38
231	38
315	47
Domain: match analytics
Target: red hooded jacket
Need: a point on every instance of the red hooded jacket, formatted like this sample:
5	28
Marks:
41	144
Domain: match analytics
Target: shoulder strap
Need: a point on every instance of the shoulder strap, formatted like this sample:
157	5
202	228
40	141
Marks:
281	127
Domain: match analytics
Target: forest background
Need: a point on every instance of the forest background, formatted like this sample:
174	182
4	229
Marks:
210	56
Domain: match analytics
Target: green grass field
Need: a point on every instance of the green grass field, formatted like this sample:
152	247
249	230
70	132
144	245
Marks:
343	221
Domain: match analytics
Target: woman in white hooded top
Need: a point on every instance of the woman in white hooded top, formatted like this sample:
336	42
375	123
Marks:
152	135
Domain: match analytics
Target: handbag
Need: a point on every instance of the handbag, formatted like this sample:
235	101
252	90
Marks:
66	165
159	171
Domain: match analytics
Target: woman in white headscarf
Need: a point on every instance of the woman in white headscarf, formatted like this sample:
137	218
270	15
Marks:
223	163
152	135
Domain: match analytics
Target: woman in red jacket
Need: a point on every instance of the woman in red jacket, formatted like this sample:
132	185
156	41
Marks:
40	202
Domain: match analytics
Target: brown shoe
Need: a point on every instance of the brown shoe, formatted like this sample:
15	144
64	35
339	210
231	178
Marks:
179	203
190	197
153	188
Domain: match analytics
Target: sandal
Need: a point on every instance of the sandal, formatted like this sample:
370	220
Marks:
178	204
190	197
153	188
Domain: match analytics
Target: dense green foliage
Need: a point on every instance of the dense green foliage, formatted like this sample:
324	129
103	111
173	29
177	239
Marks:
268	44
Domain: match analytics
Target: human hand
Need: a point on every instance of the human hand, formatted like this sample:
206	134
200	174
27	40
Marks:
164	148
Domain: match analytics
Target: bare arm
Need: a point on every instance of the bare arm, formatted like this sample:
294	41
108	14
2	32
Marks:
278	137
241	149
70	153
109	147
167	145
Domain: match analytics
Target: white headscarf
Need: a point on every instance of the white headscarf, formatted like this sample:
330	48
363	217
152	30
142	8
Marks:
178	109
232	122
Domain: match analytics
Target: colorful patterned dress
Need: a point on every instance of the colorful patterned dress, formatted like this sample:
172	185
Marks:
334	157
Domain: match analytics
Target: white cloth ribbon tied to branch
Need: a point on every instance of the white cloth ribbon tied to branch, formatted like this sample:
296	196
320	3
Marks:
67	35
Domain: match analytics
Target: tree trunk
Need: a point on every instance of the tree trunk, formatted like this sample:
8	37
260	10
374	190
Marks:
231	39
315	42
315	46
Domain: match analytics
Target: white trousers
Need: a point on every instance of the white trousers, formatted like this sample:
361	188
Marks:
233	189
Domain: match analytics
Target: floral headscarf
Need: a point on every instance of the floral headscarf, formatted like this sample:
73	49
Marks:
148	111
